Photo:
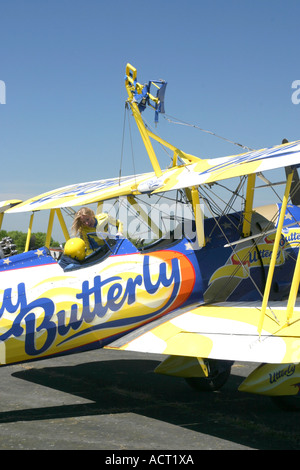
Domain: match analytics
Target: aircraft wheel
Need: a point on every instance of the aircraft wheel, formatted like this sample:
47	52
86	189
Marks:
287	402
219	372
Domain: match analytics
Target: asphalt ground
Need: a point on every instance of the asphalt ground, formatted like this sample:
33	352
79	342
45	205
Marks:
114	402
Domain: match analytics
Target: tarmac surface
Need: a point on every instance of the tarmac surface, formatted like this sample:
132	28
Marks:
113	401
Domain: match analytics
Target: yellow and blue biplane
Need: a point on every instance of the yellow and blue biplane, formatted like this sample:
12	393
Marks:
224	290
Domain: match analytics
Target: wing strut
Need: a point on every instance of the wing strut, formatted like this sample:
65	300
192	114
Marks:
275	251
147	219
198	213
29	232
293	290
49	230
249	205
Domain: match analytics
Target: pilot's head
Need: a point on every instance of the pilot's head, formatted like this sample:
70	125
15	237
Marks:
75	248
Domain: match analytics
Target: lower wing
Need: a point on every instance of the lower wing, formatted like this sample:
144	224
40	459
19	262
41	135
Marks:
223	331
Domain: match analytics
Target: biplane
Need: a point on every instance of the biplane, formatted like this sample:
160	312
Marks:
215	288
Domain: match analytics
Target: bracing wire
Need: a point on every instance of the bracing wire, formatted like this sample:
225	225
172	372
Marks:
122	146
183	123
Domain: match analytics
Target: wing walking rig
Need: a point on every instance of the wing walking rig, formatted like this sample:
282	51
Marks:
202	317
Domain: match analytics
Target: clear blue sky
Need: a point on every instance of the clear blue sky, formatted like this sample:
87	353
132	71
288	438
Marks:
229	64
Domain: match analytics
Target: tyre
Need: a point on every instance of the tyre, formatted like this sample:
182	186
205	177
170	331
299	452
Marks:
218	374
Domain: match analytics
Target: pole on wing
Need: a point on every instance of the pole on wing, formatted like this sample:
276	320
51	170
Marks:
135	89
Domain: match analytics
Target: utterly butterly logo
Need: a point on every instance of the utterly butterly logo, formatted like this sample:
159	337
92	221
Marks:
239	263
282	373
127	291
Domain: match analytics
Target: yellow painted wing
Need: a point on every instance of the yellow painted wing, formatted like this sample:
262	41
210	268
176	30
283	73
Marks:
197	172
217	169
7	204
224	332
83	193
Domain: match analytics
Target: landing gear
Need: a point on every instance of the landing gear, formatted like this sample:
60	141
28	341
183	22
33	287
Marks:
218	374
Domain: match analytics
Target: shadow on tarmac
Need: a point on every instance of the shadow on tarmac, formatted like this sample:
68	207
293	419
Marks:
130	386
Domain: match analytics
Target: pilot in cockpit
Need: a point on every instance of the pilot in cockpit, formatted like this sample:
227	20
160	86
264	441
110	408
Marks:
86	225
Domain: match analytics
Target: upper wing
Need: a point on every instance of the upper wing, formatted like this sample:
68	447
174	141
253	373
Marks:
199	171
222	331
217	169
7	204
82	193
